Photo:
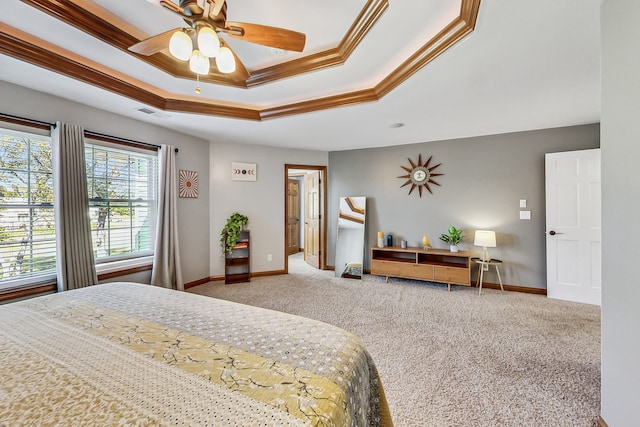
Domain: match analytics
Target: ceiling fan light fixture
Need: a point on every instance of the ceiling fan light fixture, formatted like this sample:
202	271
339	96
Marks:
225	61
180	45
208	41
199	63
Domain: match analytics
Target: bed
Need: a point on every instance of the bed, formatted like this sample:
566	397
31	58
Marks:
132	354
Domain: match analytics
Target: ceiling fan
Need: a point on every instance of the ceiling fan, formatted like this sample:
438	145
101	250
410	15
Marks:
199	42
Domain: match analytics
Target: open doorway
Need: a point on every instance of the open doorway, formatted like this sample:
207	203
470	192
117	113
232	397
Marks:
305	219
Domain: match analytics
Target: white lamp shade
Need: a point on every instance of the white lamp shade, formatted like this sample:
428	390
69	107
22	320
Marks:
485	238
225	61
208	41
180	45
199	63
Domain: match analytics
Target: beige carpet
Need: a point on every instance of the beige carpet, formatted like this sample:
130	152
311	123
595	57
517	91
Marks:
452	358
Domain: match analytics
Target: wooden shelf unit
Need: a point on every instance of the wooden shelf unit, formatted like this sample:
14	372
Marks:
433	265
237	264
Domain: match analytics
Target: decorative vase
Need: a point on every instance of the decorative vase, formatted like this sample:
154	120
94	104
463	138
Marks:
453	248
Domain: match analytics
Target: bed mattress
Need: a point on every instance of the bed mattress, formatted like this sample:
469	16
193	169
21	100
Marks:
133	354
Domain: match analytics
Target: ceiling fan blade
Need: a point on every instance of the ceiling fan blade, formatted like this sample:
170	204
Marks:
241	72
153	44
267	36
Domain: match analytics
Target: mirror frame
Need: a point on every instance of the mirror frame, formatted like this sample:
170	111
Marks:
350	237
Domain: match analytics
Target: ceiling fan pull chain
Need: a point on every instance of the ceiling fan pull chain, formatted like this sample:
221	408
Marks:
198	83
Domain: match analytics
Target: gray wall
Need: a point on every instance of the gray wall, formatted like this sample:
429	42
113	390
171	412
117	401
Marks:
193	214
620	204
262	201
483	182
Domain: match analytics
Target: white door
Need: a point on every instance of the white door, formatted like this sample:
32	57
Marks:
312	216
573	225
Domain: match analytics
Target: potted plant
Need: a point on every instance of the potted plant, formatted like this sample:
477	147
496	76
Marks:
231	231
453	237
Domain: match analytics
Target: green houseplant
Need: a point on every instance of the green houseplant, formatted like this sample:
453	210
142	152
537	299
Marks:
453	237
231	231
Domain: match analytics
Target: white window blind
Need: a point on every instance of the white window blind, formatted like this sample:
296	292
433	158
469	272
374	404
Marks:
27	233
122	186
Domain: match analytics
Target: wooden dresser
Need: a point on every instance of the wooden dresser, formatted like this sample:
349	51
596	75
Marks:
433	265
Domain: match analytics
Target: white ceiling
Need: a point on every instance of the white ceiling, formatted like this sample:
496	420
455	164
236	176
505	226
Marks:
527	65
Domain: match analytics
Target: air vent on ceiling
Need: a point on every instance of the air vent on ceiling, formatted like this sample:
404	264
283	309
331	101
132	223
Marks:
151	112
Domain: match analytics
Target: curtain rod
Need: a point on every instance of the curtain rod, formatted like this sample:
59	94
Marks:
44	125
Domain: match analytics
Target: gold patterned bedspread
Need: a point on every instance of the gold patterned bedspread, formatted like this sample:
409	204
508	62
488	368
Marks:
137	355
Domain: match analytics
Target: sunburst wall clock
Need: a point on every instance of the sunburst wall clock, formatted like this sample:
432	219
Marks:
420	175
188	184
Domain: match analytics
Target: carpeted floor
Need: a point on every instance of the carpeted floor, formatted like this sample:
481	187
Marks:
452	358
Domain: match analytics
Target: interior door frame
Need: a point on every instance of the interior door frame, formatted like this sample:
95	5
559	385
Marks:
291	249
323	211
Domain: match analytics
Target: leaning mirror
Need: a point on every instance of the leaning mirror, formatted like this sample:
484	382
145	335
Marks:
350	237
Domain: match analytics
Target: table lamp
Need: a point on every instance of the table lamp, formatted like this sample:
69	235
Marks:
486	239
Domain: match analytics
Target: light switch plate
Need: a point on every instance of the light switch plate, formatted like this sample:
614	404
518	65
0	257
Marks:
525	214
523	203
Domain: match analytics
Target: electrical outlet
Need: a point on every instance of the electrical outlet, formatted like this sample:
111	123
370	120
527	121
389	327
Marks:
269	257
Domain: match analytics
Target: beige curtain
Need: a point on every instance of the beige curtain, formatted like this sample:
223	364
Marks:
166	260
74	252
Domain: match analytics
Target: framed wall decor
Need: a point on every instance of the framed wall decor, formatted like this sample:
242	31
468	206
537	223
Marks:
188	184
243	171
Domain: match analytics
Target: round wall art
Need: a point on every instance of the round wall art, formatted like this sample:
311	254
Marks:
420	175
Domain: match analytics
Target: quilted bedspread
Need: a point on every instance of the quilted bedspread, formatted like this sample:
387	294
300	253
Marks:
130	354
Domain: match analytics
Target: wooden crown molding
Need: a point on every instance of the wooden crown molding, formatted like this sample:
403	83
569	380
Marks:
99	23
24	47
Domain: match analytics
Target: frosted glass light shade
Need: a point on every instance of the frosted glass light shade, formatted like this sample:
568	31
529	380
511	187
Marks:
208	41
225	61
199	63
180	46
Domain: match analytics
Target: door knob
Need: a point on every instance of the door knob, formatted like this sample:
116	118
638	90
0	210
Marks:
553	233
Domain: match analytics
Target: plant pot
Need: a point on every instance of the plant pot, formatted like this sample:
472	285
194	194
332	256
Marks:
453	248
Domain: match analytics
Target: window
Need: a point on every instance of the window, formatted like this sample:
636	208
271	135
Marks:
27	233
122	186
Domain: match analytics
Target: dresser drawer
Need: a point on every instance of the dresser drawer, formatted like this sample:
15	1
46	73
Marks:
385	268
458	276
417	271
